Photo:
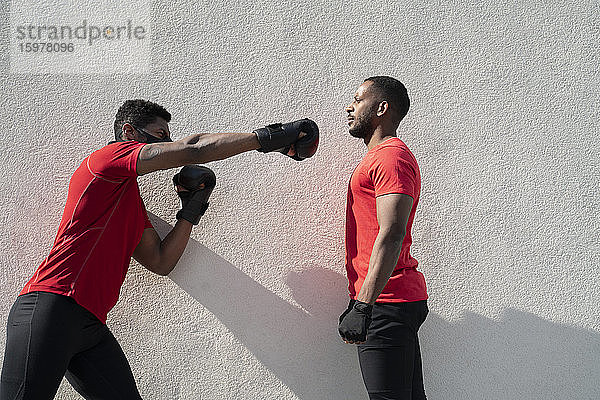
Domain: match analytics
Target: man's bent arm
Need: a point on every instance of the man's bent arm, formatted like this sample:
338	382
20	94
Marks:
194	149
159	256
393	211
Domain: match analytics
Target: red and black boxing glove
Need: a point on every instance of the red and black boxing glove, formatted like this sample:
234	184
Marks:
198	183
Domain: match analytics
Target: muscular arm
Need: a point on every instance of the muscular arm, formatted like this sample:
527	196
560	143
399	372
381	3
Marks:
159	256
194	149
393	211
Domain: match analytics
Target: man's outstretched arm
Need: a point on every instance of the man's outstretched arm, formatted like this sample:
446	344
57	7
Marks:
194	149
301	137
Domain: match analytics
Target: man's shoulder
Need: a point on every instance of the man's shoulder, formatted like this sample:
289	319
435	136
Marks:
116	149
394	149
115	146
116	158
393	145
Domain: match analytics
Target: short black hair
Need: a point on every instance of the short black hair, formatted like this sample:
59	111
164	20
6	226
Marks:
138	113
394	92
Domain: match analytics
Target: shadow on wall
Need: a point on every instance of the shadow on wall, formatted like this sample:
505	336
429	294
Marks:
519	356
300	348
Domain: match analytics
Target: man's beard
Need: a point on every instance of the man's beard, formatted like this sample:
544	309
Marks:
362	126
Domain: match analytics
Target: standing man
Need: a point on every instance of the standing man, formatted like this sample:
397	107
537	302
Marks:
388	296
56	326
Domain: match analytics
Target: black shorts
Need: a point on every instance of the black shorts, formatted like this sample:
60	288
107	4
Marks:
50	336
390	359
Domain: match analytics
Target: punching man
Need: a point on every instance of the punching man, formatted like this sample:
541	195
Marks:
388	296
57	325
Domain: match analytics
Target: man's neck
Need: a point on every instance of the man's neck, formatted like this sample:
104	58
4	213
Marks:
379	136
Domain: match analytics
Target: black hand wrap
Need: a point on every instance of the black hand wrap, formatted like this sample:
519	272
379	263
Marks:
280	137
194	200
355	321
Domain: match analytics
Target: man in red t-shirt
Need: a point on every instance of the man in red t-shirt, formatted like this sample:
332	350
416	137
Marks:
57	325
388	296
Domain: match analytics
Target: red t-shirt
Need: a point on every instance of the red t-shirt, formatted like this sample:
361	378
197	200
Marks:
103	222
389	167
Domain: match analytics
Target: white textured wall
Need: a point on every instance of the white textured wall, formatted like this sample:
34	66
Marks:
504	123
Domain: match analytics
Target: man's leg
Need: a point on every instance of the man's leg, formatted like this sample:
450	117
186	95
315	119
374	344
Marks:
390	360
102	372
40	341
420	312
387	371
418	390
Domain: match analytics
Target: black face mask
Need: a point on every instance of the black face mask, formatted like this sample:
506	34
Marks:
152	139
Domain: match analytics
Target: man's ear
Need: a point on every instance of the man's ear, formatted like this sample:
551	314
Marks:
127	132
382	108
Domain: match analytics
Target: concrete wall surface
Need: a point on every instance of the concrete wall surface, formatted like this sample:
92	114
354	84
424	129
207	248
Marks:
504	124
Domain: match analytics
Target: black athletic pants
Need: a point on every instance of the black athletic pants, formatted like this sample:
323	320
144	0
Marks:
390	359
50	336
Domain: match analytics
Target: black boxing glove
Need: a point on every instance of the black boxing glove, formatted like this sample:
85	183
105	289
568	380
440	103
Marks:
194	200
355	321
280	137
